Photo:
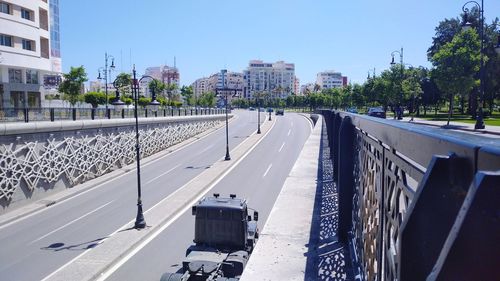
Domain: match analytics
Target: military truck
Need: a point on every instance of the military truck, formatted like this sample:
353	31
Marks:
224	237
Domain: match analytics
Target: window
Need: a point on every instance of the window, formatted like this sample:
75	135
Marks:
31	76
26	14
5	40
28	45
4	8
15	76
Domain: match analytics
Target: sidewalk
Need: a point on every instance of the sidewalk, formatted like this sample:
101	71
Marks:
488	131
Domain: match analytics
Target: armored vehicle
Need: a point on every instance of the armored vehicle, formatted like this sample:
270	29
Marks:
225	236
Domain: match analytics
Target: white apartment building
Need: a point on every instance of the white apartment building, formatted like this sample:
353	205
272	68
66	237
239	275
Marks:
278	79
200	86
330	79
163	73
30	58
232	80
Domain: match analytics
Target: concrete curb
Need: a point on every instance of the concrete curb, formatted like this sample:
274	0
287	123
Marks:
23	211
281	252
100	261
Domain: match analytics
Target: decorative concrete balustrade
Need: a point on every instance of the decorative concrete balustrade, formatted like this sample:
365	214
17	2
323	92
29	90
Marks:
415	203
46	156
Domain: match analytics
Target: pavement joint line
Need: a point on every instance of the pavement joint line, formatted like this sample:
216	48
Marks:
82	266
35	207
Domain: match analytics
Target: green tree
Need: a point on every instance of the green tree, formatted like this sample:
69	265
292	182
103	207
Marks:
456	64
123	82
207	99
72	84
188	94
95	98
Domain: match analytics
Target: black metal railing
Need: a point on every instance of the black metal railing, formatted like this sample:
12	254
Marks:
58	114
416	203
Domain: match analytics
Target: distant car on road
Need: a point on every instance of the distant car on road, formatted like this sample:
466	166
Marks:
270	109
376	112
280	112
352	110
251	108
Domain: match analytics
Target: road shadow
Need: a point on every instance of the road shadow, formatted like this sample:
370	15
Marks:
59	246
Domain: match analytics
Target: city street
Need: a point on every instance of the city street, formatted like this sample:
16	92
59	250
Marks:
50	239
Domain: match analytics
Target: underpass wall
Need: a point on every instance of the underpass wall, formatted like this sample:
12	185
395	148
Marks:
38	159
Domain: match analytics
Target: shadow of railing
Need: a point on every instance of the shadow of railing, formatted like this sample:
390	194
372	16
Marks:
415	202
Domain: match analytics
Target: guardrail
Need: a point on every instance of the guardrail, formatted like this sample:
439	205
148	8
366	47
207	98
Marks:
57	114
415	203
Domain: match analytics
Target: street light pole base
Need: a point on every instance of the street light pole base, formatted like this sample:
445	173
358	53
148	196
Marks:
227	154
479	120
140	223
258	131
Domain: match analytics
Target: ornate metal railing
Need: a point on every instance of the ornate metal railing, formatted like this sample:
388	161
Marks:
57	114
416	203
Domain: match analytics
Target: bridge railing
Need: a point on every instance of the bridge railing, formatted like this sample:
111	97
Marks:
58	114
416	203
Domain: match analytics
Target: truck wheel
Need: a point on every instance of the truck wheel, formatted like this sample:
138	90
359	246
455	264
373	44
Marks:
171	277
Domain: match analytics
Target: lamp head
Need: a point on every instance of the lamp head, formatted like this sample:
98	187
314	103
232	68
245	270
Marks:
99	76
112	66
466	24
392	61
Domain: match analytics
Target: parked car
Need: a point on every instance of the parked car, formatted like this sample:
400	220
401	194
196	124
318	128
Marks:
376	112
251	108
270	109
280	112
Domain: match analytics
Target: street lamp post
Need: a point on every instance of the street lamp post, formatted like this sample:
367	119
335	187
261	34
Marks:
225	91
466	25
228	157
140	222
106	73
401	83
258	113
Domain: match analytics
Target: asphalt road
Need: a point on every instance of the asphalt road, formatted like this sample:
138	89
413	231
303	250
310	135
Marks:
258	178
39	244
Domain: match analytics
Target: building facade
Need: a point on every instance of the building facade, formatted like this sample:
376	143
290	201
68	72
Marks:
232	80
275	79
200	86
330	79
30	57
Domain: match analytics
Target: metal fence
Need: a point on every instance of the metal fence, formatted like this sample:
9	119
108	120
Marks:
416	203
57	114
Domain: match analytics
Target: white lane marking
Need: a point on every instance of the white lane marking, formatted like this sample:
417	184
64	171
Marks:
281	147
161	175
104	275
292	124
171	153
71	222
289	131
268	168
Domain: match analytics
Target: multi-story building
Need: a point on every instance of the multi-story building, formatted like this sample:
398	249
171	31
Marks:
296	86
164	73
330	79
277	79
30	58
307	88
200	86
232	80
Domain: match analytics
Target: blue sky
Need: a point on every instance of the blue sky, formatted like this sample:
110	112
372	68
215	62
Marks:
351	36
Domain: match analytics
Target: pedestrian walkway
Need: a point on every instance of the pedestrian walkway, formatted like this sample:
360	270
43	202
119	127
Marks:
488	131
299	240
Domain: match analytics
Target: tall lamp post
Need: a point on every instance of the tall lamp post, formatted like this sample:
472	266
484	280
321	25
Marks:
139	220
467	25
228	157
402	73
106	73
225	91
